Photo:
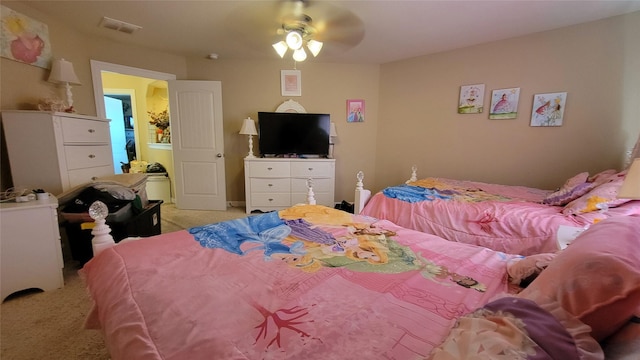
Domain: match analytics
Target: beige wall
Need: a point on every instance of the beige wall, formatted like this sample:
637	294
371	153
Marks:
410	105
252	86
596	64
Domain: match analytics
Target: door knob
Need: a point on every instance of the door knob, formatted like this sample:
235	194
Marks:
219	155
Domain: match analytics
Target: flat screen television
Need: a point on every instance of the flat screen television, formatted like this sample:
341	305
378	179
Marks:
293	134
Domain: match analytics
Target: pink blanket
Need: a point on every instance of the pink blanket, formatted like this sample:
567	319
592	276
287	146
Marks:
511	219
308	282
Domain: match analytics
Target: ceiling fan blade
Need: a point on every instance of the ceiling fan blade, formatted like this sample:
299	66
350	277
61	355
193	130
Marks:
259	24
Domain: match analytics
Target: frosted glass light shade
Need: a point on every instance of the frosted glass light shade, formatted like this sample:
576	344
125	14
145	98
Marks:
294	40
314	46
299	55
281	48
630	188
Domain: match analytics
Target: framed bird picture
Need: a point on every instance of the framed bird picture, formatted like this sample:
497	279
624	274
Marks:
548	109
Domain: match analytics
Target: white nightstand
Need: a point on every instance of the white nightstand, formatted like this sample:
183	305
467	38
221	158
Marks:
30	249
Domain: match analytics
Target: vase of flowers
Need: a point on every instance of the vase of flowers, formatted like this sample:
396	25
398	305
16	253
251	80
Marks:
161	122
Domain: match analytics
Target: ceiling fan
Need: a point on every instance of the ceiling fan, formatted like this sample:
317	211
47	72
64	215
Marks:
288	24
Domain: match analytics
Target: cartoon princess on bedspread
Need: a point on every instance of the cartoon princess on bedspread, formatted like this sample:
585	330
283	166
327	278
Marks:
324	238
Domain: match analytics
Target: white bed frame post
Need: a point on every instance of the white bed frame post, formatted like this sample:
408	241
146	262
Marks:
414	175
311	196
361	195
102	238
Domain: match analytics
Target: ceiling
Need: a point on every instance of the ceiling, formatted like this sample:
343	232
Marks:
356	31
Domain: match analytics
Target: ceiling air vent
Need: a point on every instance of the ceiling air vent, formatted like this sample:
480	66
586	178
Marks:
118	25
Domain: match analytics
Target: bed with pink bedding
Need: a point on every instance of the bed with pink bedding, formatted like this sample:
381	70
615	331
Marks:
310	282
511	219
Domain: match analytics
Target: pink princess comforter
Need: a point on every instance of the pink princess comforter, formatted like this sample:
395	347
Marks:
308	282
511	219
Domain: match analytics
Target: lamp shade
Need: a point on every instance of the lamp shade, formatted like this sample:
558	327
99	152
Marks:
332	130
62	72
248	127
630	188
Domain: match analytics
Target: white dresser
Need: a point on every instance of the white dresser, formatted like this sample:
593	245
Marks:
56	151
30	250
275	183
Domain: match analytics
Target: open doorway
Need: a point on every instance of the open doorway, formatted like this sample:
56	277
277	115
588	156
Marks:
119	108
131	93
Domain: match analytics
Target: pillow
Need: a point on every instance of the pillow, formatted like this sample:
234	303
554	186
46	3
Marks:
600	198
602	176
571	190
597	278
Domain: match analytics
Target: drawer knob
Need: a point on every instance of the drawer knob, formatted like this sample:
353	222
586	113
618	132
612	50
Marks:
310	169
92	130
270	199
94	178
269	168
270	185
91	156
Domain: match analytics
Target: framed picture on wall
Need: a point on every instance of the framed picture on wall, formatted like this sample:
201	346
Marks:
24	39
471	99
504	104
291	83
355	110
548	109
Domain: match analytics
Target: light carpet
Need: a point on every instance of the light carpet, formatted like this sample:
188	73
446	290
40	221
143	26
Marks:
49	325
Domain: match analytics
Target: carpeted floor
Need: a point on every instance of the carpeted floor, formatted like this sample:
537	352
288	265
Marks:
48	325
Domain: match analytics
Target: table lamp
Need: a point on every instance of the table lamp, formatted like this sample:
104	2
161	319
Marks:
630	188
62	73
249	128
332	134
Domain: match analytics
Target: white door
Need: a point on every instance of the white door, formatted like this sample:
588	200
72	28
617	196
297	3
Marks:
113	108
195	108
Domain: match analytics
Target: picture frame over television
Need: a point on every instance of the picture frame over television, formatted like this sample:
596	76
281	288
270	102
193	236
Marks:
291	83
288	134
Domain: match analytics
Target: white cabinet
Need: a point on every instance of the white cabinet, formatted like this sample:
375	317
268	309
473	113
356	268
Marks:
30	250
275	184
56	151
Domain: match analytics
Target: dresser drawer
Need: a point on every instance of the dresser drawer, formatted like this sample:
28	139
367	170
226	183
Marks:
85	131
269	169
83	176
274	199
79	157
270	185
311	169
319	185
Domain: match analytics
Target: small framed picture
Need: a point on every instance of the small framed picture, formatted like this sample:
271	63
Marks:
291	82
355	110
471	99
504	104
548	109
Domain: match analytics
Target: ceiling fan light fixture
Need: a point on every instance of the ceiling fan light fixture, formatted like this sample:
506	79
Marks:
281	48
299	55
294	40
314	46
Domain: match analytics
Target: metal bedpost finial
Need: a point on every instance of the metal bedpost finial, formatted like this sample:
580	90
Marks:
360	177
